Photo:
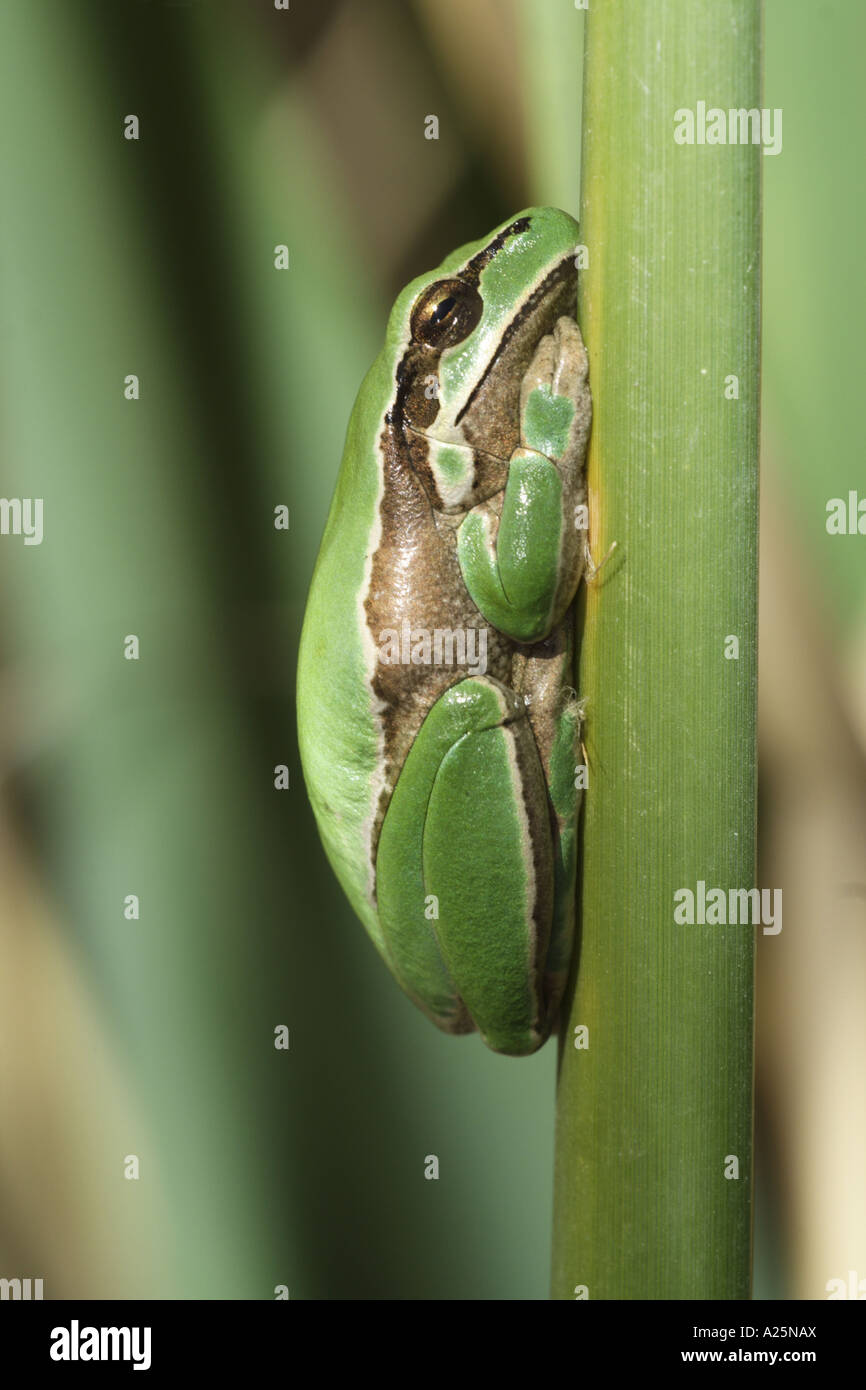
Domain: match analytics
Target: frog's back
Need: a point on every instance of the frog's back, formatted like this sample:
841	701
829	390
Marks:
338	732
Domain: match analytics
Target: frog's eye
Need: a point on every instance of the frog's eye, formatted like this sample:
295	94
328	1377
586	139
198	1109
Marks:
446	313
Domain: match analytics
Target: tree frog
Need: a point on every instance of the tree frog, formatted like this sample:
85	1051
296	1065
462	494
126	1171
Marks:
438	724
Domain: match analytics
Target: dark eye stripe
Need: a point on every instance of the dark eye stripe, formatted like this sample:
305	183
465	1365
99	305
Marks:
474	267
560	271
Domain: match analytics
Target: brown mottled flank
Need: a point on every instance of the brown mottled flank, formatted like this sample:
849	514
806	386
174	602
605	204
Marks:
415	574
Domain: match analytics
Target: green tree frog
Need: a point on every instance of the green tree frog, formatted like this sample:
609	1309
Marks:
438	724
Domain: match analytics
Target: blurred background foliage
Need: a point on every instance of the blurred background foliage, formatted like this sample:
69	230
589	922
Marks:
155	1037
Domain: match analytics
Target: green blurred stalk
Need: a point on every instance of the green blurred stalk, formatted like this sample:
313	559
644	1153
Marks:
651	1112
550	40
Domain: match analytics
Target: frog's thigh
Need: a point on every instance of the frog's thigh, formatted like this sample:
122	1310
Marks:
556	722
465	868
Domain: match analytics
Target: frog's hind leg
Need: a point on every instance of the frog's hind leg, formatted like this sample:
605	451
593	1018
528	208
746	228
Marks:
465	872
544	674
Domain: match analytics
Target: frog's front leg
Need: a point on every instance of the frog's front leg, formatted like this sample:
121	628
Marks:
465	869
521	553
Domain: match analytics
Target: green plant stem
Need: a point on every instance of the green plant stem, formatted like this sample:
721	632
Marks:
657	1109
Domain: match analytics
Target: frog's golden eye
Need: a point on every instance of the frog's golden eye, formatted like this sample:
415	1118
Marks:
446	313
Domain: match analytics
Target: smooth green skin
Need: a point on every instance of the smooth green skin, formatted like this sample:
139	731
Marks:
462	758
450	903
515	591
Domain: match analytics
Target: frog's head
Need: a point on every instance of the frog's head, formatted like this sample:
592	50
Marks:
462	336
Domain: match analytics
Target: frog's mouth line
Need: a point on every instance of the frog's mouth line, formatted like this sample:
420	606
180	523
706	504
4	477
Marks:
442	431
558	275
458	444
